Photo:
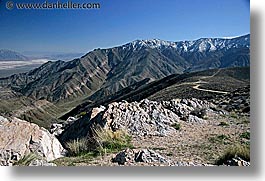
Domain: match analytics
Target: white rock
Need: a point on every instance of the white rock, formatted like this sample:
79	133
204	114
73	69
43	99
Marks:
19	138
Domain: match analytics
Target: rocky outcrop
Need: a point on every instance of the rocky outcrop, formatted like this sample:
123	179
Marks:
140	118
20	138
190	110
154	118
144	118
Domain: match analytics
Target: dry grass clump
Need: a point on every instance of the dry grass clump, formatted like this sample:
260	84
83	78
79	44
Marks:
77	147
241	151
109	141
26	160
103	141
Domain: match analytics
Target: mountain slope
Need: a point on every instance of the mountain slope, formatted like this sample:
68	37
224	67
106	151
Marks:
173	86
203	85
40	112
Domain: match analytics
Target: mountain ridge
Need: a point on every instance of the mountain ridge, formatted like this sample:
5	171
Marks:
220	42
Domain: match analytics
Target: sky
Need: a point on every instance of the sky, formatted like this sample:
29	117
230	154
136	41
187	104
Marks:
118	22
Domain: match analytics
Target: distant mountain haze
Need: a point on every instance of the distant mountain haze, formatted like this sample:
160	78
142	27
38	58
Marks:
65	56
6	55
10	55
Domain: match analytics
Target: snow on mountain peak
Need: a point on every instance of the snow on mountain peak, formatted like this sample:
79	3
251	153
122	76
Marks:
201	45
152	43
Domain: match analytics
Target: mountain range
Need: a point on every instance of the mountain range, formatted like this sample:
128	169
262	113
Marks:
103	72
9	55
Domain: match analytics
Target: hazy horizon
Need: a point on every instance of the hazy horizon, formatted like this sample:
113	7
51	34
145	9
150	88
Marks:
48	53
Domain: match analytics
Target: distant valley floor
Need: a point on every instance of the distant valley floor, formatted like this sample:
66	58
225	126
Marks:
8	68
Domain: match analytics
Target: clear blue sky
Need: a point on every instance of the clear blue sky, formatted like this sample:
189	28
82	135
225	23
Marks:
118	22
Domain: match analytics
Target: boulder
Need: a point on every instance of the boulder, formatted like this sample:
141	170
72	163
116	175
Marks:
125	157
131	156
19	138
237	161
58	128
147	156
195	119
96	111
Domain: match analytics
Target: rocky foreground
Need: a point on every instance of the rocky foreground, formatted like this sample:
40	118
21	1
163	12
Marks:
180	132
144	118
19	138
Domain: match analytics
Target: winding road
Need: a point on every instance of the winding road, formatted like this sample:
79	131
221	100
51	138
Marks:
198	84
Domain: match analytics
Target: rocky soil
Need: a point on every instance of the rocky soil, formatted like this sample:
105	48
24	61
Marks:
237	101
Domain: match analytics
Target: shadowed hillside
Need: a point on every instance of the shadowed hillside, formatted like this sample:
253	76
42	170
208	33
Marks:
185	85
